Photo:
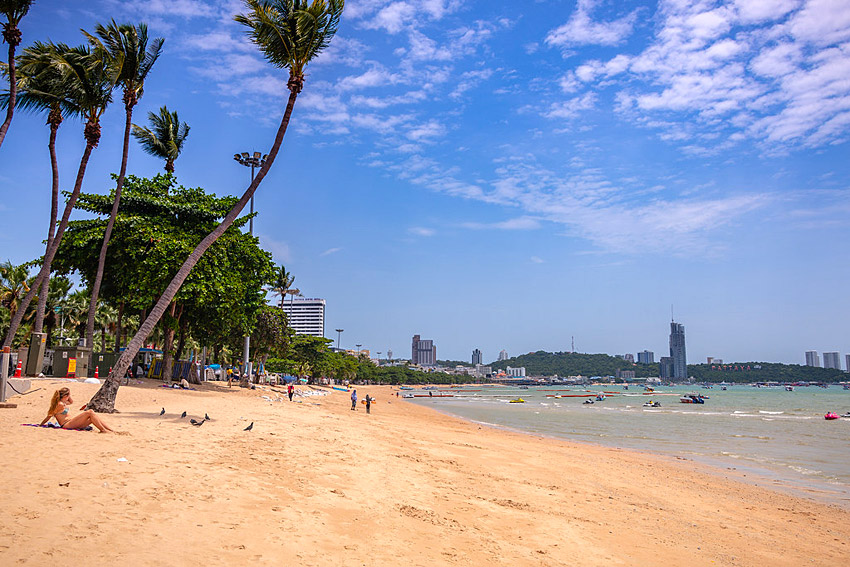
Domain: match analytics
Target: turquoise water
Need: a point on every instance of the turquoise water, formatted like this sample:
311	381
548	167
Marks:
769	431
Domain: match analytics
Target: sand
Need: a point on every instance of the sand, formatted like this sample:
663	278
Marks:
315	483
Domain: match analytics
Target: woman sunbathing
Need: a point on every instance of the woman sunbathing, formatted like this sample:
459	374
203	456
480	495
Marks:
59	407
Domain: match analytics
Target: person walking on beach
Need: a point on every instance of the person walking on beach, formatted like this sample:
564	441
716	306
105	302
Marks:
290	389
229	377
354	400
369	400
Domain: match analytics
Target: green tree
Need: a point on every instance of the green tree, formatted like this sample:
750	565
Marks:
14	10
128	60
282	283
290	33
86	79
165	138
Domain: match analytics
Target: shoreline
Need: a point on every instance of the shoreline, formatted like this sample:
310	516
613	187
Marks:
315	483
747	473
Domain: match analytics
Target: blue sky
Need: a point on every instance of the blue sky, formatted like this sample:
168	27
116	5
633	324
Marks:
499	175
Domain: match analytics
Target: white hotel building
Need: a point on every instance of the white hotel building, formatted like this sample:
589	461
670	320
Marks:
306	316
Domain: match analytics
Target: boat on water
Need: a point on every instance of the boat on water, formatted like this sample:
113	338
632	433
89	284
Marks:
517	401
651	404
831	415
693	398
600	396
846	414
588	401
789	388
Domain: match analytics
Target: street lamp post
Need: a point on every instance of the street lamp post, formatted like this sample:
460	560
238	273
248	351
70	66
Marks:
358	350
253	161
338	334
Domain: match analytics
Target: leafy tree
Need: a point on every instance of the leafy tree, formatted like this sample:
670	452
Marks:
128	60
282	283
272	334
158	223
290	33
85	77
165	138
14	10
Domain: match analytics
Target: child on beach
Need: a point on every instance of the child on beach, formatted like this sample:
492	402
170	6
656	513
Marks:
59	407
354	400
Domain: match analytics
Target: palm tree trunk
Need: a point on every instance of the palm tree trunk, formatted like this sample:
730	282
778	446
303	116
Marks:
118	328
104	399
168	331
101	261
51	250
54	211
13	92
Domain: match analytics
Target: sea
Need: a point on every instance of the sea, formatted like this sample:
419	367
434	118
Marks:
769	432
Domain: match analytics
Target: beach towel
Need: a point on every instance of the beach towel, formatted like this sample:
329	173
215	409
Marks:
175	386
56	426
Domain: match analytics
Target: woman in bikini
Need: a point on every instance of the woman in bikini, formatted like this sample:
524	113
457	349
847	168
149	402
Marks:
59	406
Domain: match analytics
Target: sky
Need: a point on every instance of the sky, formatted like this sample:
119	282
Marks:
497	175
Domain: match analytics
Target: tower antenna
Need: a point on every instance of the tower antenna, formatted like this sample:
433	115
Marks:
573	344
672	318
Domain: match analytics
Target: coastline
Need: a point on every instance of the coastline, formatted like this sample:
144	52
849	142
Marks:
315	483
742	471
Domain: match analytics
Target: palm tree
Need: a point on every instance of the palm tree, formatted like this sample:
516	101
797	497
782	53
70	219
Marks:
164	139
14	10
41	87
290	33
128	60
13	285
89	87
282	283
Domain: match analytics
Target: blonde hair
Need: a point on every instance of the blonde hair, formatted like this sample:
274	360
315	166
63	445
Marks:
54	401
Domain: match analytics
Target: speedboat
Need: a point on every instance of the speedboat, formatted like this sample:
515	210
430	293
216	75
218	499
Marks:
845	414
831	415
789	388
588	401
651	404
692	398
517	401
600	396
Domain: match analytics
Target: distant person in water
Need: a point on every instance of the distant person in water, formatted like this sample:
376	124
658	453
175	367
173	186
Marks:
59	408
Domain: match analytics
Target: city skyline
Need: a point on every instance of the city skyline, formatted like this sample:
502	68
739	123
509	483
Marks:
498	178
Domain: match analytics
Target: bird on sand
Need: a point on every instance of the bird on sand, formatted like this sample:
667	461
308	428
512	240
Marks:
207	417
193	421
182	415
162	412
250	427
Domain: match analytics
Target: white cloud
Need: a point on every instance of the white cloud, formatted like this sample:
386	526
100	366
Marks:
520	223
536	260
330	251
421	231
571	108
580	29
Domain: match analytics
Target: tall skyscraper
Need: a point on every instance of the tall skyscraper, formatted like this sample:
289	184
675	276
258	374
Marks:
832	360
847	363
646	357
812	358
677	351
423	352
503	355
476	357
306	316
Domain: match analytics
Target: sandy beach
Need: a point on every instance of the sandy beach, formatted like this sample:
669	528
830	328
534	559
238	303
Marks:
315	483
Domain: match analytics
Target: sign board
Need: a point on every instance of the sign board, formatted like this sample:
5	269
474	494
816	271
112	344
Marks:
72	367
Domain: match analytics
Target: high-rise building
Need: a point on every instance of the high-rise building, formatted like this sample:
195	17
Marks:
306	316
627	357
812	358
847	363
503	354
476	357
423	352
390	354
646	357
832	360
677	351
665	368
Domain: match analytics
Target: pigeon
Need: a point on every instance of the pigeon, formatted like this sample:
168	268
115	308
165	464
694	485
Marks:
207	417
162	412
250	427
193	421
182	415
